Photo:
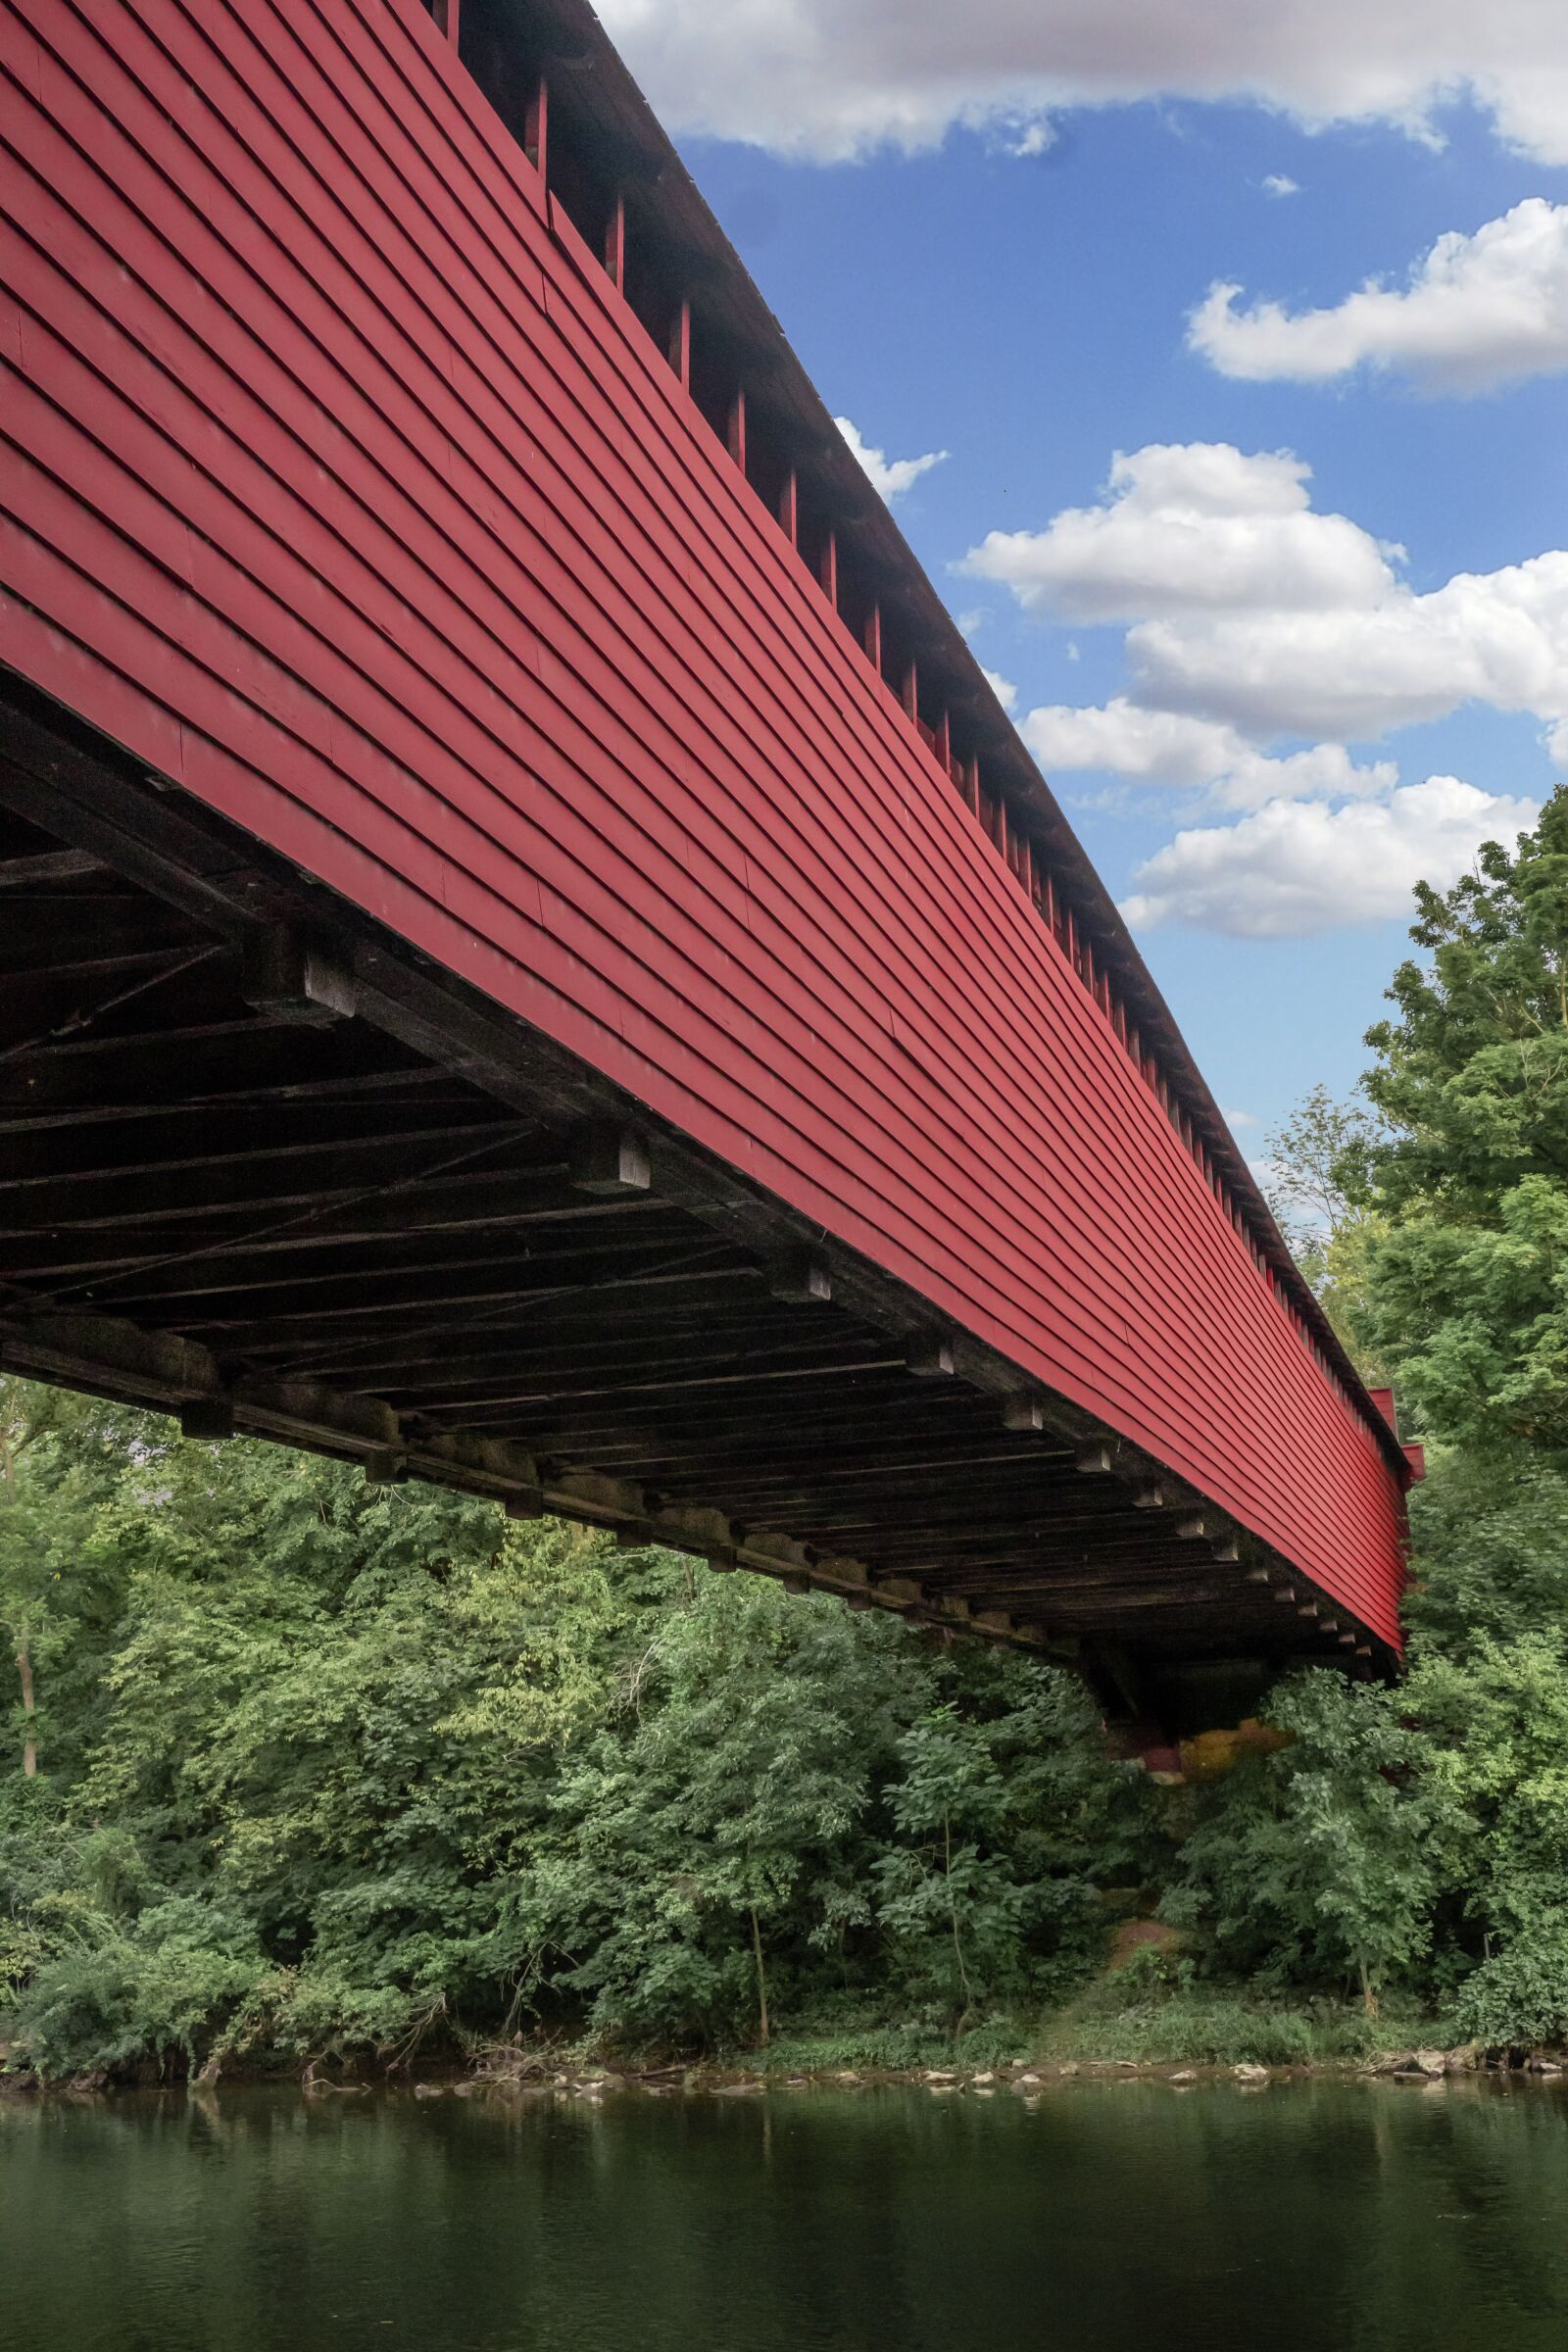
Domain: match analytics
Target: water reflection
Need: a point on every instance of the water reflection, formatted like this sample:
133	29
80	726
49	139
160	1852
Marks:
1315	2218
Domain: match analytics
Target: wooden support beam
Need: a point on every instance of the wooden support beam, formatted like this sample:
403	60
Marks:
942	744
1096	1460
735	435
615	245
1023	1413
929	1356
210	1418
681	345
287	979
48	870
800	1278
693	1527
610	1161
873	638
386	1468
829	573
789	508
536	128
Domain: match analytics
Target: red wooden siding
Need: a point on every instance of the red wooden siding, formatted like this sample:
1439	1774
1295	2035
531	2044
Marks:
339	481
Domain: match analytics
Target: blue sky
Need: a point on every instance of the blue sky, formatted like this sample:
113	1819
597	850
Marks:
1028	314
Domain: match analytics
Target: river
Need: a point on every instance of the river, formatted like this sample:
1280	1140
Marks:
1311	2217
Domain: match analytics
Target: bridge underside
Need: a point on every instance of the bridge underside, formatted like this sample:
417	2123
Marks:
265	1168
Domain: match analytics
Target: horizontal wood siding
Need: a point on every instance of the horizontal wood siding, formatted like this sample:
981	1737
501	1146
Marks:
339	481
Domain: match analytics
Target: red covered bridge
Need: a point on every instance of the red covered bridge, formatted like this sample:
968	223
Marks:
529	954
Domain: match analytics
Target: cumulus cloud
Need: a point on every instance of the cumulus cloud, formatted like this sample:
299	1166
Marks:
1253	618
1297	868
835	78
1499	638
1189	528
1249	608
888	476
1123	739
1005	692
1280	183
1476	312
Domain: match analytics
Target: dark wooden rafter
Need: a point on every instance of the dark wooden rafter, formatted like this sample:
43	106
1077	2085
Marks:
264	1168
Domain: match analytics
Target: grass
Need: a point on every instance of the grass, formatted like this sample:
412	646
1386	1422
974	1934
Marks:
1156	2017
875	2048
1151	2013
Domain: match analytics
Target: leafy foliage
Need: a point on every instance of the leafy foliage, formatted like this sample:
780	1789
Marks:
1425	1836
359	1765
1314	1863
1466	1296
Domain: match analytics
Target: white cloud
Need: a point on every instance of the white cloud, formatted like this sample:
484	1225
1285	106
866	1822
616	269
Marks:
1189	528
1477	311
1005	692
1499	638
1251	609
888	476
1256	618
1280	183
1239	1118
832	79
1166	747
1297	867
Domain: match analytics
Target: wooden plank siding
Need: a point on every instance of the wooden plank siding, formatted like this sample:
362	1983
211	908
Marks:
341	484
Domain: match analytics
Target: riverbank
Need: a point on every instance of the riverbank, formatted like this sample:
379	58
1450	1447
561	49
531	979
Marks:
1198	2041
530	2076
1144	2017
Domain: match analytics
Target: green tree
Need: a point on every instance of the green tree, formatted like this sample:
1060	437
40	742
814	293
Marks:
1494	1738
706	1842
1006	1816
1469	1184
1316	1161
1489	1560
59	1593
1314	1864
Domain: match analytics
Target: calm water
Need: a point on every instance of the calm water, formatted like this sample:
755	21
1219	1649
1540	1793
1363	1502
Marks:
1309	2218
